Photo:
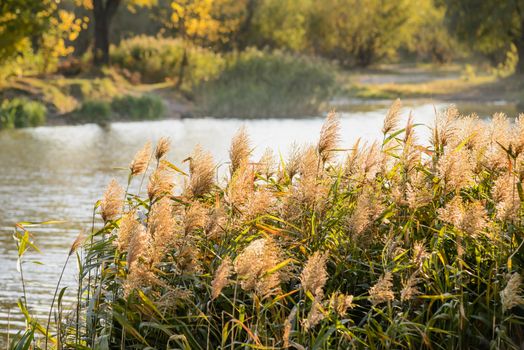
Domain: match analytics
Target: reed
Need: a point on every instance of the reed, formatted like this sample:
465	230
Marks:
395	244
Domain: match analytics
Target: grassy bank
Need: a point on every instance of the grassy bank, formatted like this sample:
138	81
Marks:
391	244
449	83
148	81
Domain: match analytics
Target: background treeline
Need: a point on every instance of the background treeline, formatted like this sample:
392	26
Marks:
351	32
286	51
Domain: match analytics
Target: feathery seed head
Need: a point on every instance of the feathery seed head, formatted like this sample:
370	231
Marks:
314	275
221	278
253	264
382	291
112	202
128	225
162	229
141	160
240	149
511	296
392	117
160	183
340	303
329	137
409	289
162	148
202	172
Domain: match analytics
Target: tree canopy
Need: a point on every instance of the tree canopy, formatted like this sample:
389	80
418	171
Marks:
352	32
490	27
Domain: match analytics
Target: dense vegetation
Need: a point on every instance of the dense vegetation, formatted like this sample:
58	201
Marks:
393	244
262	84
20	113
200	48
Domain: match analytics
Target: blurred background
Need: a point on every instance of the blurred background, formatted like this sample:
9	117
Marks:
101	60
85	83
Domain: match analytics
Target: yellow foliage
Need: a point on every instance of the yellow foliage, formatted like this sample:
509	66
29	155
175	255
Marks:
207	20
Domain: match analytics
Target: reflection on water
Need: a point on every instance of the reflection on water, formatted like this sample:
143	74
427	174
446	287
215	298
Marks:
59	173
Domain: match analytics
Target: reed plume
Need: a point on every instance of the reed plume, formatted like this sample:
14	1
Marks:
253	264
288	324
240	149
315	315
138	245
367	209
241	186
266	164
195	217
162	228
293	161
140	274
382	291
221	278
160	183
470	218
162	148
511	295
329	137
202	172
392	117
444	128
111	204
507	201
140	162
77	243
127	229
340	303
314	275
455	168
409	289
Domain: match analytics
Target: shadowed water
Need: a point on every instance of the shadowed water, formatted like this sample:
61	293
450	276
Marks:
58	173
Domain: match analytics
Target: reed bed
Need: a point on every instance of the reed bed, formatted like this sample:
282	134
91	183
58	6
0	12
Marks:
393	244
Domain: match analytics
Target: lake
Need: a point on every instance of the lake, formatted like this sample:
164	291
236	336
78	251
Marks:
58	173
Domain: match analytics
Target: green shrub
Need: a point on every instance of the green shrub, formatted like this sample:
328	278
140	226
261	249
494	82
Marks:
21	113
93	111
139	108
263	84
159	59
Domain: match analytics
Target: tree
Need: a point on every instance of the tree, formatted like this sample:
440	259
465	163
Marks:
205	22
103	14
357	32
490	27
21	21
34	35
281	24
429	36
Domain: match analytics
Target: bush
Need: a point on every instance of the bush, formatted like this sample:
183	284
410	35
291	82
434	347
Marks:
263	84
159	59
139	108
93	111
21	113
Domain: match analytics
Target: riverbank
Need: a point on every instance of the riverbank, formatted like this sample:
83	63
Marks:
80	99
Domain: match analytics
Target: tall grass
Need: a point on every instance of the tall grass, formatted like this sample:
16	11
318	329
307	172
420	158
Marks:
265	84
158	59
21	113
392	244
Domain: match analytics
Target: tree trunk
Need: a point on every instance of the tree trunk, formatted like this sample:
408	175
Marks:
182	71
242	40
520	63
103	12
519	43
